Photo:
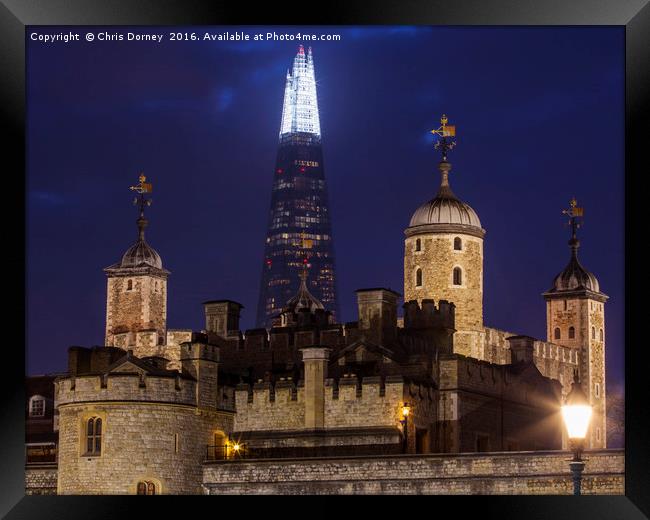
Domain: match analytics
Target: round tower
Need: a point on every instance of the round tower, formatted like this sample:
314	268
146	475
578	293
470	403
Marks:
443	256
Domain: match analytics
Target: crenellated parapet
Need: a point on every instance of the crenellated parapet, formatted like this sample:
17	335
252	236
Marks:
349	402
122	386
428	315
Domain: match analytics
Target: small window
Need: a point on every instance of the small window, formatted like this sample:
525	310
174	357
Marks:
556	335
593	332
458	244
572	332
176	442
418	245
597	434
37	406
418	278
597	389
602	336
94	436
458	276
565	305
129	285
146	487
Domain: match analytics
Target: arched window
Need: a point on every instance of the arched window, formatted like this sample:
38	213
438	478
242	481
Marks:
458	276
129	285
602	336
37	406
94	436
418	245
556	335
418	277
593	332
146	487
458	244
572	332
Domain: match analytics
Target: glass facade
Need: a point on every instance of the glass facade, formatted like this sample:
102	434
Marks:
299	229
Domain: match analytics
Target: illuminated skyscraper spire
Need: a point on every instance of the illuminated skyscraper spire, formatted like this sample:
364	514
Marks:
300	111
299	234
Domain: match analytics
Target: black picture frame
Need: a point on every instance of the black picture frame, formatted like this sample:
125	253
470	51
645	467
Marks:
15	15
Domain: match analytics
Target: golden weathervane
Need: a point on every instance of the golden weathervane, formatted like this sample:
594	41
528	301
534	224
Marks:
444	133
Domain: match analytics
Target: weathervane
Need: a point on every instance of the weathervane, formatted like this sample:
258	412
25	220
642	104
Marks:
574	213
142	188
444	132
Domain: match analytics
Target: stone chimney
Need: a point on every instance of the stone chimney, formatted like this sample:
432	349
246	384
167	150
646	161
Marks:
315	361
378	314
522	348
222	316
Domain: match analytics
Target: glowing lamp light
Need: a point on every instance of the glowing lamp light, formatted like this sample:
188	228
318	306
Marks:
236	447
576	418
576	411
406	409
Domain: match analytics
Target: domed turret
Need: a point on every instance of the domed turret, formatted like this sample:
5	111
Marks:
445	208
141	253
443	254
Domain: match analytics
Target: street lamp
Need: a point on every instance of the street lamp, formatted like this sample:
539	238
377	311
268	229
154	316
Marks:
576	413
406	409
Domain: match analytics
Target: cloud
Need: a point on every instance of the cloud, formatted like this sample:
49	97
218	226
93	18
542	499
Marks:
46	198
224	98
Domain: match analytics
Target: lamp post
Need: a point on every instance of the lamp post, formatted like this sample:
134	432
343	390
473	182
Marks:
576	413
406	409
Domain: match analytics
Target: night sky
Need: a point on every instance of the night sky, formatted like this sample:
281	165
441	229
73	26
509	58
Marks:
539	118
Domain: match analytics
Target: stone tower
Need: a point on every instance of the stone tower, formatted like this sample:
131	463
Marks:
136	295
575	317
443	256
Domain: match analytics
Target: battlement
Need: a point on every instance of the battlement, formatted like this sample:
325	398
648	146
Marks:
349	402
428	315
125	386
195	350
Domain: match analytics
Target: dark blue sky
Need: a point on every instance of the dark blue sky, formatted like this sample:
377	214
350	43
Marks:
539	115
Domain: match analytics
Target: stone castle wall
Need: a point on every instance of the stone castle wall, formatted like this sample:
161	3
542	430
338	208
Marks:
522	473
349	404
41	479
163	443
552	360
437	259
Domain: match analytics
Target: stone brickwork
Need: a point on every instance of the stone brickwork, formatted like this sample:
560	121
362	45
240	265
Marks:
437	259
136	301
153	427
587	317
517	473
40	479
551	359
487	407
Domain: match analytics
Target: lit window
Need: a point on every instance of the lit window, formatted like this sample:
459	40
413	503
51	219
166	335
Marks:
458	276
94	436
572	332
557	333
418	278
458	244
145	487
37	406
